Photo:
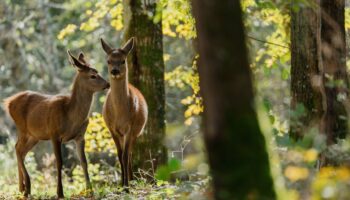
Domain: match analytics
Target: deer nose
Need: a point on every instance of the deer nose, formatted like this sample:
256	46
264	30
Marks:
115	71
107	86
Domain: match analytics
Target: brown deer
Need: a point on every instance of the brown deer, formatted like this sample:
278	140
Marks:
125	110
59	118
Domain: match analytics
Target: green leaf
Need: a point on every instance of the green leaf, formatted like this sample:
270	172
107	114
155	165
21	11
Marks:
164	172
285	74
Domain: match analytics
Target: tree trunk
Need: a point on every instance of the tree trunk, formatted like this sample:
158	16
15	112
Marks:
334	64
147	74
306	75
236	147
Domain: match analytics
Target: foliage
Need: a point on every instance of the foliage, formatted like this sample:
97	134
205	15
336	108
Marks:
177	19
180	77
111	8
164	172
332	183
69	29
178	22
98	138
270	55
104	180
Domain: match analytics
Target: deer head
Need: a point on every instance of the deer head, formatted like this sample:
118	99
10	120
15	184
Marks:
87	76
116	58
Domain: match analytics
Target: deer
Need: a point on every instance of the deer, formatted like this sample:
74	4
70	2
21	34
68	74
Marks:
125	109
59	118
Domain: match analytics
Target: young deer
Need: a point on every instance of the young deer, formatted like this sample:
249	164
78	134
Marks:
125	110
57	118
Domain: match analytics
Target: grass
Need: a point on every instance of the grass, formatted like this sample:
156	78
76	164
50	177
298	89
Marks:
138	190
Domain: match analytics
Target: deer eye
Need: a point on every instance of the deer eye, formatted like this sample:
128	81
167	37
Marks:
93	76
122	62
108	62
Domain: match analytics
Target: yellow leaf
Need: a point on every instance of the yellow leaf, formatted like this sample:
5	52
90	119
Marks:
69	29
197	110
88	12
188	113
343	173
294	173
310	155
117	24
166	57
188	121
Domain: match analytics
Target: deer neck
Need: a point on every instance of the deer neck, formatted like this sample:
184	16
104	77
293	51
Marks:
80	102
120	92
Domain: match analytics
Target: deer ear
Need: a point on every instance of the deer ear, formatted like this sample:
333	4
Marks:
106	47
128	46
76	62
81	57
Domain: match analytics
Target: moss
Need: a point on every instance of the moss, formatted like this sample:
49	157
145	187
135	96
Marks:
305	52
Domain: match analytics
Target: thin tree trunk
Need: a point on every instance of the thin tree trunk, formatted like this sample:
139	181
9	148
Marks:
236	147
334	65
306	75
307	88
147	74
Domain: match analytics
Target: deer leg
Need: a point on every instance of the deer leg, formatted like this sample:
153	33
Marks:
120	154
120	158
57	150
126	154
130	175
23	146
80	145
128	144
20	165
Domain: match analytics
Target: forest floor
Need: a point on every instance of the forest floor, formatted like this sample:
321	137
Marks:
197	190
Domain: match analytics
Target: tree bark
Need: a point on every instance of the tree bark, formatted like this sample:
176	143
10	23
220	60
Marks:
334	64
306	74
236	147
147	74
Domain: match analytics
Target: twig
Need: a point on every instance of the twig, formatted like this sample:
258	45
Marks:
150	156
57	6
264	41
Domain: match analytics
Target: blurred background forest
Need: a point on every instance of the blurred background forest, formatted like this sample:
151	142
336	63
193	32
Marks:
34	38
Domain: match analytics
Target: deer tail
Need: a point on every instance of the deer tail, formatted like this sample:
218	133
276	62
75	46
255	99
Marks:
9	102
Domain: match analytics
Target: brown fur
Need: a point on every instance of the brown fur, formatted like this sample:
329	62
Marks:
59	118
125	110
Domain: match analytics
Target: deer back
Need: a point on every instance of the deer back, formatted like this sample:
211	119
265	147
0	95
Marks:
39	115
